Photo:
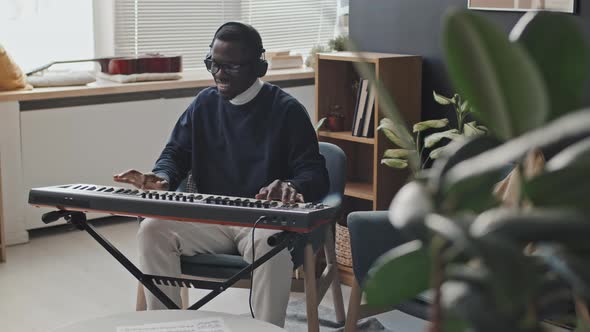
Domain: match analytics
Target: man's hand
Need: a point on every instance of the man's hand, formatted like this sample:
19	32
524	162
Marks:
142	181
280	190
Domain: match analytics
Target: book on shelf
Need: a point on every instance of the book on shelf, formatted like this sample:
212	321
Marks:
369	118
359	110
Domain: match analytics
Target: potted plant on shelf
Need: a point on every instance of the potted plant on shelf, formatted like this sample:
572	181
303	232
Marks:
437	134
492	267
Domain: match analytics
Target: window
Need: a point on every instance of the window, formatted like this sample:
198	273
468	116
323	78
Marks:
36	32
186	26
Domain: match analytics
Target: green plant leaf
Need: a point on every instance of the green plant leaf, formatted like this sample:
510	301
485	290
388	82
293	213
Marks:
409	208
395	162
442	99
399	275
457	151
571	126
431	140
567	187
397	153
421	126
436	153
388	127
496	76
576	154
471	129
474	194
565	68
568	227
320	124
465	107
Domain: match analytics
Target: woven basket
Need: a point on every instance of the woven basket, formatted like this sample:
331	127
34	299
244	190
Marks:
343	254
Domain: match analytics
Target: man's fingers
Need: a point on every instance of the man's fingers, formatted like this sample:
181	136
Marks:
292	195
299	198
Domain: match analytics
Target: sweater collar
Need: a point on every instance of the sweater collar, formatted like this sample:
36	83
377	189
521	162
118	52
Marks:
249	94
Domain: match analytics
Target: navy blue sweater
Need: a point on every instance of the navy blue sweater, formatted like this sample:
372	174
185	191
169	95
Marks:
236	150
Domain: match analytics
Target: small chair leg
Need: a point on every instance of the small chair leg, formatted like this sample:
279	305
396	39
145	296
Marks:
140	304
354	307
311	296
330	251
184	297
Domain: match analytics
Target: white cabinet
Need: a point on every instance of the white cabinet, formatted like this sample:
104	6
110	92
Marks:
88	144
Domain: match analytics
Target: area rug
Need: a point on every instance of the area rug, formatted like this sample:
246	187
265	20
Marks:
297	320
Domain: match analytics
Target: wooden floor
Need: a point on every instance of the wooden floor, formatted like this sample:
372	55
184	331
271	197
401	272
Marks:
62	275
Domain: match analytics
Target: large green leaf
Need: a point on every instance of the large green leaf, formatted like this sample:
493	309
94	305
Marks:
409	208
399	275
574	125
456	152
496	76
567	227
575	154
558	47
568	187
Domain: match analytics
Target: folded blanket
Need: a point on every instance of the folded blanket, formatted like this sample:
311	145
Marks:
69	78
11	76
140	77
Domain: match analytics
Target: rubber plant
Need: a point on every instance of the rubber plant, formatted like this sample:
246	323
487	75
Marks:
497	268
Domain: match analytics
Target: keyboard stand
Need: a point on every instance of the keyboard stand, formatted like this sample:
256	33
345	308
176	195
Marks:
78	219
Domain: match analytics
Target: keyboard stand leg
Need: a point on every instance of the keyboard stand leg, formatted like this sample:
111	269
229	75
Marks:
279	242
78	219
286	239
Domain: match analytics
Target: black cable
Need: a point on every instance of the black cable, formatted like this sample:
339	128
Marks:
252	269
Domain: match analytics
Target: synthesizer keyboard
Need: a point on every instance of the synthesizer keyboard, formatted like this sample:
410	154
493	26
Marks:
192	207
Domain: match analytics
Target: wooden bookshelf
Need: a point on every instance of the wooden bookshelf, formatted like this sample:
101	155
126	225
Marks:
346	136
370	185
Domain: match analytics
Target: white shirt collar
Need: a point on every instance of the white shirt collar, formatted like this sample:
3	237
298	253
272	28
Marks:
249	94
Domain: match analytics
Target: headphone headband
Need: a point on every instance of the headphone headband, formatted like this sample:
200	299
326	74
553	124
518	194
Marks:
260	49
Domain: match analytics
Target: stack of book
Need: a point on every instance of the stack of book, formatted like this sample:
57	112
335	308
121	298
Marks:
283	59
364	112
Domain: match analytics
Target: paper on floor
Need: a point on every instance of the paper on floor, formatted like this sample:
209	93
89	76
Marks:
214	324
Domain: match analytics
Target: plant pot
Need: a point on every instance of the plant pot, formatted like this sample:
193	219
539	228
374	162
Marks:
335	123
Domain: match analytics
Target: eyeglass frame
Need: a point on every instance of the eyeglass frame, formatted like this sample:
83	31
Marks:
226	66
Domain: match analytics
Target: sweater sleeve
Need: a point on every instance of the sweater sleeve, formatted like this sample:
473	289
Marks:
174	162
307	167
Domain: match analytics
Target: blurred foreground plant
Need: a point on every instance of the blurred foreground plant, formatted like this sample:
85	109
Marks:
496	268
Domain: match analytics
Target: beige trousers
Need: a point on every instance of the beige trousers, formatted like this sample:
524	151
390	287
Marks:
162	242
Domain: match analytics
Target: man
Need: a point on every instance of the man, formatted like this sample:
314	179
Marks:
241	138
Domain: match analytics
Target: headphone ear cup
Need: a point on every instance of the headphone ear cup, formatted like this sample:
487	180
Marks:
262	68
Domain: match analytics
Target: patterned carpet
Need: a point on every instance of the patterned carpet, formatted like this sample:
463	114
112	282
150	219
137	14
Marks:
297	320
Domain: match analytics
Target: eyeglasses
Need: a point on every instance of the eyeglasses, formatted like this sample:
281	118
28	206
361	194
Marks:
229	68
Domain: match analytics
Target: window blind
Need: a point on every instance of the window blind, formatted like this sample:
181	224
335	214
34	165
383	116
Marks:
186	27
171	27
295	25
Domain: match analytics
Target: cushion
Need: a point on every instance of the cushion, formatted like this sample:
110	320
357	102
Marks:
11	76
69	78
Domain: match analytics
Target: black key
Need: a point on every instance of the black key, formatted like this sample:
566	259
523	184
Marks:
111	189
91	188
199	197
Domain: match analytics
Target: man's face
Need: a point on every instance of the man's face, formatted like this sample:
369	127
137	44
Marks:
228	54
